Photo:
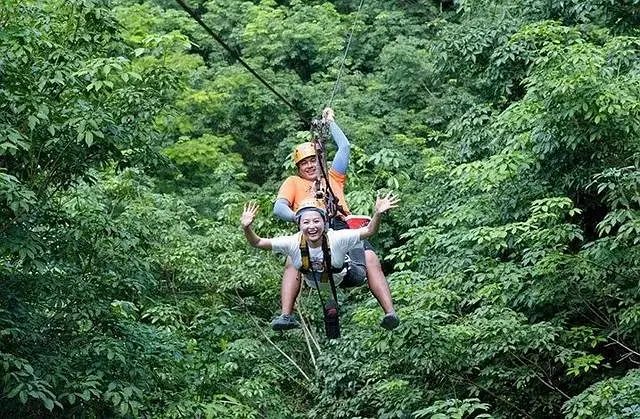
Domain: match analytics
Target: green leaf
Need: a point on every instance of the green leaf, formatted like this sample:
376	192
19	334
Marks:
124	408
32	121
14	391
85	395
48	404
88	138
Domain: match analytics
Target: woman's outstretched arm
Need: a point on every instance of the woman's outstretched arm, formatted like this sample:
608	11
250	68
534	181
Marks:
246	219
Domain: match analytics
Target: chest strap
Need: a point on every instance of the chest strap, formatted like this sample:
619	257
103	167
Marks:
327	272
326	259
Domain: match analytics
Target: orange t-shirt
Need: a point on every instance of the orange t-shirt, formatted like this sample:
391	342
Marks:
296	190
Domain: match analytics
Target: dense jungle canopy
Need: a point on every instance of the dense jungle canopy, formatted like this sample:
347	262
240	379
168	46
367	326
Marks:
130	140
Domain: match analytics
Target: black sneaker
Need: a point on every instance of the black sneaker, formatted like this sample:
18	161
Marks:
390	321
284	322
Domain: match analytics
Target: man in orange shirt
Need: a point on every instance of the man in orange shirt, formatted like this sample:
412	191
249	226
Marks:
293	193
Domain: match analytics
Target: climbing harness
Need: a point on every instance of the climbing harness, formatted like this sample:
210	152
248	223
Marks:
323	191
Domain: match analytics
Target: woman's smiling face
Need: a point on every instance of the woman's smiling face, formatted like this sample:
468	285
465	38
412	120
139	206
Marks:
312	226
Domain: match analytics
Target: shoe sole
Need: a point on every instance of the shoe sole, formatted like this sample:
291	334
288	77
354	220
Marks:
281	327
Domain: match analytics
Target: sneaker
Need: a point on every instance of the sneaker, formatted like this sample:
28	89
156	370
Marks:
284	322
390	321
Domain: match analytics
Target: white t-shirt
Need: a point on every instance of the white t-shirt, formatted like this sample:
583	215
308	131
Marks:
340	243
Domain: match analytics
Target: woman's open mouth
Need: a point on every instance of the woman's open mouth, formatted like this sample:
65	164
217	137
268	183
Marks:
313	232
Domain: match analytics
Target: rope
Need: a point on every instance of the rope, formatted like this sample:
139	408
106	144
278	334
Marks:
346	51
236	56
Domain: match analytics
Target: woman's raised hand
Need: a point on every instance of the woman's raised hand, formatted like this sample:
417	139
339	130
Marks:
385	203
248	214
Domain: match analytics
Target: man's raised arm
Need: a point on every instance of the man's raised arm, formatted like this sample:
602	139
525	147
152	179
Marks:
341	160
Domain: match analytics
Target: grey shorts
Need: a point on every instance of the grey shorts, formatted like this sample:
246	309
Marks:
357	272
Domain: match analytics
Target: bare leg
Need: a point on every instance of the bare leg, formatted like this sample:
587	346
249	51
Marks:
290	287
377	282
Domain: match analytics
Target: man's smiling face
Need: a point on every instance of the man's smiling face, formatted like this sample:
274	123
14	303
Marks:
308	167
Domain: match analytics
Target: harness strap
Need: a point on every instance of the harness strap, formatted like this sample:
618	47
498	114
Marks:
327	267
327	272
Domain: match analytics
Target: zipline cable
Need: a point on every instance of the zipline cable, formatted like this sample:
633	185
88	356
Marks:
332	203
236	56
346	52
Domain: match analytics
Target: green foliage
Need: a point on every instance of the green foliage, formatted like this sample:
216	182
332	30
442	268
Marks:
607	398
454	408
130	140
284	37
206	160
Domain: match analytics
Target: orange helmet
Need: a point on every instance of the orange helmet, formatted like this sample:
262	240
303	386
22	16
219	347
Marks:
302	151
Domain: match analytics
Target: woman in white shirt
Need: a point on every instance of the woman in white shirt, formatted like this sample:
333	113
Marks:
312	222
